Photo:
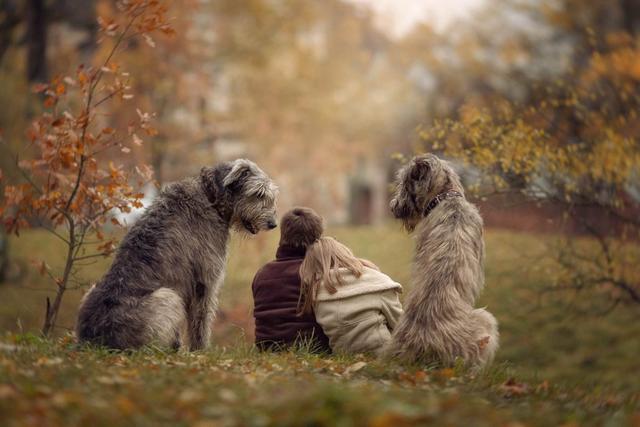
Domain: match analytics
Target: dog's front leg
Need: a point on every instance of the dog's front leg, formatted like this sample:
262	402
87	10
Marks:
199	329
207	280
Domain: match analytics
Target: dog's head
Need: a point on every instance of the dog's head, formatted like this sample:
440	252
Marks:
420	180
245	192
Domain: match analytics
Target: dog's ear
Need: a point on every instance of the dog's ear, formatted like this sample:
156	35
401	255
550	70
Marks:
211	182
424	168
420	167
240	169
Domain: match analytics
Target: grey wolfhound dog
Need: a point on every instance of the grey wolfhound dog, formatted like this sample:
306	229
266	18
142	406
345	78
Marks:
440	323
162	286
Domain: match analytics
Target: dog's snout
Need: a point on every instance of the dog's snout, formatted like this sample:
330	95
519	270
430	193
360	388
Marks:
271	224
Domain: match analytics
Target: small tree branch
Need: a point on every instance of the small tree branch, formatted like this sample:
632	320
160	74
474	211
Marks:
92	256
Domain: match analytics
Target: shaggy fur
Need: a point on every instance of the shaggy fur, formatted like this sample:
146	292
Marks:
440	323
162	286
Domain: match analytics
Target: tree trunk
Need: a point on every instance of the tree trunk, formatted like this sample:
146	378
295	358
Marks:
9	19
158	154
51	313
631	16
4	254
36	38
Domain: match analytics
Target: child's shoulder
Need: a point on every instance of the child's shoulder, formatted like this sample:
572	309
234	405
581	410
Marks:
278	270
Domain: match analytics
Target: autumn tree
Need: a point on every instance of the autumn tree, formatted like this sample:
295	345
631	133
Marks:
566	135
70	186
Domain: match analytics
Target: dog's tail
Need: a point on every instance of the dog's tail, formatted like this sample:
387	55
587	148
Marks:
435	335
487	335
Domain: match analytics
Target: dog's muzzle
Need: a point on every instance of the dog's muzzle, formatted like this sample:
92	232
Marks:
397	210
249	227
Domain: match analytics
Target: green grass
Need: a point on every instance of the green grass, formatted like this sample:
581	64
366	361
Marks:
564	367
69	385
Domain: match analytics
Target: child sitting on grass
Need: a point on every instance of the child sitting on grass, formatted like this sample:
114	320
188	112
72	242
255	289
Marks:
356	304
276	288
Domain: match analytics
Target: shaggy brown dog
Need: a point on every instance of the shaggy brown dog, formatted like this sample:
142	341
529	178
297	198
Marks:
440	323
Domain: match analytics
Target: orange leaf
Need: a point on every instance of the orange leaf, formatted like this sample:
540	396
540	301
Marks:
511	388
446	373
420	375
43	268
40	87
82	78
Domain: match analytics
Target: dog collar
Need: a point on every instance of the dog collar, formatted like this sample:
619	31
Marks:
440	197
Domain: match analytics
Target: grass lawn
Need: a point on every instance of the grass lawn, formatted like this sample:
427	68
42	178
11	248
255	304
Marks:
554	366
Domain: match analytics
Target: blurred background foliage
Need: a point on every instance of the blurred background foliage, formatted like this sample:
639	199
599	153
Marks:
329	86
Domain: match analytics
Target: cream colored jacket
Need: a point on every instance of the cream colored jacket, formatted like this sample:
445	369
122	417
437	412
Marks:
360	316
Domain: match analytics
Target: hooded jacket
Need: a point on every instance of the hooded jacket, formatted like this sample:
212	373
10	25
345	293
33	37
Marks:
361	314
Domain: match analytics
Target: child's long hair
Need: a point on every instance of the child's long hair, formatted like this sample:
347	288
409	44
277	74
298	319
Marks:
320	267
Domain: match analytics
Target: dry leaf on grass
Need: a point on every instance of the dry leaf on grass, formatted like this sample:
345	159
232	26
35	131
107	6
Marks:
511	388
354	368
112	380
7	391
45	361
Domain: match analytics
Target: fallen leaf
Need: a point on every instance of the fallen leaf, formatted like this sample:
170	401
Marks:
115	379
7	391
189	396
543	387
8	347
355	367
421	376
446	373
388	419
511	388
45	361
227	395
65	398
126	405
205	423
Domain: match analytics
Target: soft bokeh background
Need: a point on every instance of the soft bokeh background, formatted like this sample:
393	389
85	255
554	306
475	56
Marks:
324	95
